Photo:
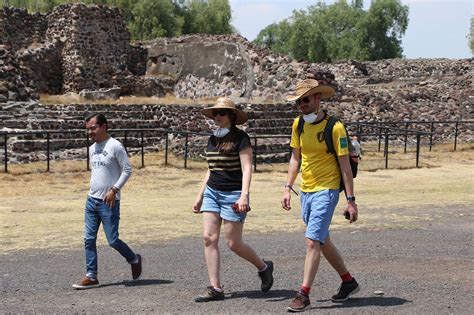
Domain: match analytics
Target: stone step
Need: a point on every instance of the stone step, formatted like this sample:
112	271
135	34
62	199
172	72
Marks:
273	114
269	130
275	122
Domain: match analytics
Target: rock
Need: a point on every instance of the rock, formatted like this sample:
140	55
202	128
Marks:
101	94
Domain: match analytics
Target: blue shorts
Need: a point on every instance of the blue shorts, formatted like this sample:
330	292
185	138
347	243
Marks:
221	202
317	209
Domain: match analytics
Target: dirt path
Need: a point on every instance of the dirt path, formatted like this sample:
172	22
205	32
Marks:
422	270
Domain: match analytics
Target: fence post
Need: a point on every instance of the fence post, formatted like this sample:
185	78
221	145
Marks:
455	135
255	155
385	151
431	135
143	155
418	140
166	148
406	138
125	141
47	151
87	148
5	152
380	134
186	151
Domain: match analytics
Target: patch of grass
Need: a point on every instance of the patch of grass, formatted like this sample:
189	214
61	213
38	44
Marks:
74	98
45	210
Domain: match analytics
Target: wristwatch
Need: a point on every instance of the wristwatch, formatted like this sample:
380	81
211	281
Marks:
351	198
115	189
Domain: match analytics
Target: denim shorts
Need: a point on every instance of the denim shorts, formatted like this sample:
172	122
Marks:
221	202
317	209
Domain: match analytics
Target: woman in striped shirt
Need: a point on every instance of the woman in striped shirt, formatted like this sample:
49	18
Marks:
224	196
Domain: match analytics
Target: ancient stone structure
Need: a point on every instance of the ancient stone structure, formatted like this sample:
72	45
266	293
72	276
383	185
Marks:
72	48
70	142
78	48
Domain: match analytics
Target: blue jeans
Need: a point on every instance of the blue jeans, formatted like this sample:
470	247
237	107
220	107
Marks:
96	212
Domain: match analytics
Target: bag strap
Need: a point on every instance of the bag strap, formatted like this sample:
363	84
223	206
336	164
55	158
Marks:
300	127
328	134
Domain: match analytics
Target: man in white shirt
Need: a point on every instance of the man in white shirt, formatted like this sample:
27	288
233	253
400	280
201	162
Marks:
110	170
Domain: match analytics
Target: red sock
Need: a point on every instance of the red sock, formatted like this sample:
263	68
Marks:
305	290
346	277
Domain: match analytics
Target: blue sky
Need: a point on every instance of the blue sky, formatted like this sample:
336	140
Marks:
436	29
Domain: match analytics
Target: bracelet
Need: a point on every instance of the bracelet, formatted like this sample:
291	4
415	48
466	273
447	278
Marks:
291	187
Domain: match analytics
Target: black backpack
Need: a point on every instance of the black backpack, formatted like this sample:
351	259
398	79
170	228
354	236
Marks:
353	157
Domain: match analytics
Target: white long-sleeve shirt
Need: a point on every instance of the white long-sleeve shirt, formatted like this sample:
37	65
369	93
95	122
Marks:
109	167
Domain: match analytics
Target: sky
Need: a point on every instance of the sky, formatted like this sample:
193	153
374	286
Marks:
436	28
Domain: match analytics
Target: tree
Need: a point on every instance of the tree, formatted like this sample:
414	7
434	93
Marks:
325	33
208	17
275	36
386	22
160	18
155	18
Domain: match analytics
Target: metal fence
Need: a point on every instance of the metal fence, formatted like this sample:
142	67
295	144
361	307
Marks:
364	130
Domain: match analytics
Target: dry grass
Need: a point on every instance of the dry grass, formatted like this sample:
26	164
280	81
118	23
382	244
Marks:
73	98
45	210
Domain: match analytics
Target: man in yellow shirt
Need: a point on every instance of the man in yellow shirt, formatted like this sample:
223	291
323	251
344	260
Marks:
321	175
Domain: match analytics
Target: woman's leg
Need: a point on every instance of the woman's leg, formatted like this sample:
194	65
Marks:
212	227
233	235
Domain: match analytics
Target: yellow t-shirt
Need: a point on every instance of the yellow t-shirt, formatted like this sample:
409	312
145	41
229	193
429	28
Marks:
319	169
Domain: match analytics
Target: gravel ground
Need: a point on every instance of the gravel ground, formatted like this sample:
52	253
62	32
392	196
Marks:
427	270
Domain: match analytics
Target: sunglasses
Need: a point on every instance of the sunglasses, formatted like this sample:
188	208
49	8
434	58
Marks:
302	100
220	112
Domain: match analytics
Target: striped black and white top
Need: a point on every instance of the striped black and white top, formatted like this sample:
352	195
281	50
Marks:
226	170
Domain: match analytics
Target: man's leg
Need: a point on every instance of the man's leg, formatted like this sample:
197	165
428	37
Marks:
333	256
349	285
91	226
110	219
316	210
311	262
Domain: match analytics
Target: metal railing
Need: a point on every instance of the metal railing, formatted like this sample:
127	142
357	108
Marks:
383	132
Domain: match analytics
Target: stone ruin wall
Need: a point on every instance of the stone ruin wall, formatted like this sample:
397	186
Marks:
263	119
79	47
73	48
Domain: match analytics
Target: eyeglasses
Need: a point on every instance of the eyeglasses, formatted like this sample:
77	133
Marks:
302	100
220	112
94	127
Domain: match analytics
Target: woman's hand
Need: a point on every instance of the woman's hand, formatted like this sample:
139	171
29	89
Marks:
242	205
197	205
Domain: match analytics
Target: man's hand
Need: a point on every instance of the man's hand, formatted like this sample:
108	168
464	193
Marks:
351	211
110	199
286	199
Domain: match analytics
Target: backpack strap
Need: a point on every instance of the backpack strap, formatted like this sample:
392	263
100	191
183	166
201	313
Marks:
328	134
300	128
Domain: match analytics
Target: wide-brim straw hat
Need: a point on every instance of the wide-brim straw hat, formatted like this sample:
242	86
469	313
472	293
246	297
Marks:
309	87
226	103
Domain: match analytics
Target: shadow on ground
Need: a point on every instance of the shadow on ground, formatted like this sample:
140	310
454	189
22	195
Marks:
142	282
271	296
366	301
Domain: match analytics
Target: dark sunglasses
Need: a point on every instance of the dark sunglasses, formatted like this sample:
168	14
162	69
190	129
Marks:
302	100
220	112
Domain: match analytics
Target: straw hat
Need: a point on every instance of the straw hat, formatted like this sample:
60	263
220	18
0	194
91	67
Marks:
226	103
309	87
